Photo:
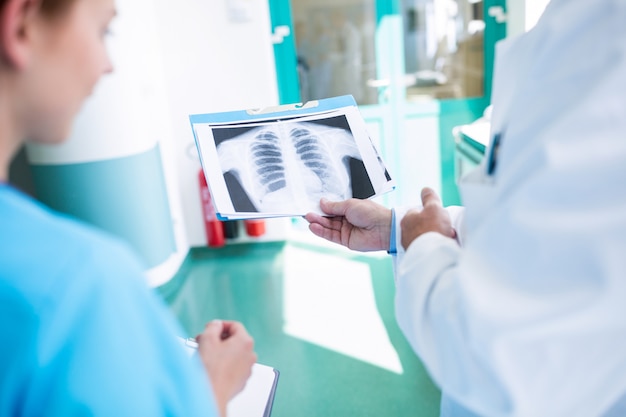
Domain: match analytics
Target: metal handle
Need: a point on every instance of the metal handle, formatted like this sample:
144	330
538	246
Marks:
280	33
497	12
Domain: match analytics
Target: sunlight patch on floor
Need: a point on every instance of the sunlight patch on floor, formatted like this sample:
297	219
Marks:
329	301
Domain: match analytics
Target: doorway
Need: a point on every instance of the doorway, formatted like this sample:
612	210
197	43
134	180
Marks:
416	68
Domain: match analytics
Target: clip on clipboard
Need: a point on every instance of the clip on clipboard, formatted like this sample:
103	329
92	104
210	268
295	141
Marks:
257	398
284	108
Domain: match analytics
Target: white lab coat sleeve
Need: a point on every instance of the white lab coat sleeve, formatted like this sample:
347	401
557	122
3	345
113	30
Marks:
457	217
429	311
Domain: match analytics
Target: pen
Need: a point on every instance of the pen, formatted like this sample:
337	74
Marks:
193	343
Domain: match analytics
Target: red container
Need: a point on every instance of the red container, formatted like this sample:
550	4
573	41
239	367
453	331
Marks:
255	227
213	227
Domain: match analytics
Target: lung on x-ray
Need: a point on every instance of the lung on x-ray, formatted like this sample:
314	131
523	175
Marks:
285	166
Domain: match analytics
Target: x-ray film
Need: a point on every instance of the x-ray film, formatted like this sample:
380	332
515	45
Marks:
281	161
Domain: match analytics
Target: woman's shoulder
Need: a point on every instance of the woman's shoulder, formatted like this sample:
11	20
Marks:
41	250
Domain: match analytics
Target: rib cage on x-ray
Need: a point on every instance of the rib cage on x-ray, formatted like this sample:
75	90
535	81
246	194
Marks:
290	165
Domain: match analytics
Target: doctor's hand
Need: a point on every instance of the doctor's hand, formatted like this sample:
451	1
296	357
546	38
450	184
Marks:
361	225
431	218
227	352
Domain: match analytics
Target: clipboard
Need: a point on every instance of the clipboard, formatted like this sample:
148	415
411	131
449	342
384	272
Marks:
257	397
280	161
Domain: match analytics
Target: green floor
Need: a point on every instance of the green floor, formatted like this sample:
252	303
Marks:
251	283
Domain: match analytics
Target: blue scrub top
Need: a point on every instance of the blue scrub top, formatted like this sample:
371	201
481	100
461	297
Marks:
80	332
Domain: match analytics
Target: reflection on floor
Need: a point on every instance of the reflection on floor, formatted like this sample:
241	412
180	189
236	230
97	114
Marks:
323	317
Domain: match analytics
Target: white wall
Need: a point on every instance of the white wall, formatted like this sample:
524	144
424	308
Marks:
523	15
218	57
127	115
534	10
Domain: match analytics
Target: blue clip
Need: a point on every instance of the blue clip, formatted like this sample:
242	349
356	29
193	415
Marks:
392	237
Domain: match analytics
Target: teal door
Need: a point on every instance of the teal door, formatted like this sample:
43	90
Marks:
417	68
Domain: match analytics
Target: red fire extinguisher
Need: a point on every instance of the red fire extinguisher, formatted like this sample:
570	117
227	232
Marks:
213	227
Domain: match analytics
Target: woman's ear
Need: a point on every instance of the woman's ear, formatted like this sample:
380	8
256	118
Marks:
17	18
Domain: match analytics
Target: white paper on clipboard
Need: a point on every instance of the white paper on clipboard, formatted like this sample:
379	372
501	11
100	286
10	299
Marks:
257	397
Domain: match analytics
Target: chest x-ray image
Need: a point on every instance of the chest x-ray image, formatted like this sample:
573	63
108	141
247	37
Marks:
288	166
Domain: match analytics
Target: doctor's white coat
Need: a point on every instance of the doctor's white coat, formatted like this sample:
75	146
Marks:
527	317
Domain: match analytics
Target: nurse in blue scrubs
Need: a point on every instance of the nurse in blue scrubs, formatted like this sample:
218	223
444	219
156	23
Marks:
80	333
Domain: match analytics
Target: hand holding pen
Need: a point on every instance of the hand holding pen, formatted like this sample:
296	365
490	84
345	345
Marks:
227	352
